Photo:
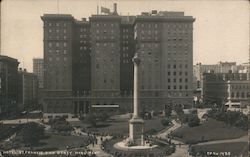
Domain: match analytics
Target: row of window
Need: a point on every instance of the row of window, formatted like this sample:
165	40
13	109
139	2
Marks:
169	87
125	30
175	73
149	25
58	31
167	25
104	37
58	59
180	80
148	38
83	30
58	51
57	44
240	95
57	24
101	24
126	61
174	66
105	44
149	45
180	87
58	37
149	32
239	86
83	36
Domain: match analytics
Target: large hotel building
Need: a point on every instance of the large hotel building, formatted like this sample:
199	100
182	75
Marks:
88	63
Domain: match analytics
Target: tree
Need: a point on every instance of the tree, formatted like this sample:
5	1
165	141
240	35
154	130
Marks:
91	118
193	121
165	122
168	110
178	109
60	125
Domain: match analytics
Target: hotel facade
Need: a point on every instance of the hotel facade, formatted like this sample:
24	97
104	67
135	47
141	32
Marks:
88	63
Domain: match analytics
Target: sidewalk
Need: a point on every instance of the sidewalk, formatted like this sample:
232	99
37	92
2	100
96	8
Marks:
241	139
182	150
97	147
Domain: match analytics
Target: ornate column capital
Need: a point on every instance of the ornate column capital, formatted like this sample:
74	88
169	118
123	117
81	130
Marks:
136	59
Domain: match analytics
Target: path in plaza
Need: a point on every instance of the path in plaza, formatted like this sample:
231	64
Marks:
96	148
20	121
241	139
181	150
23	121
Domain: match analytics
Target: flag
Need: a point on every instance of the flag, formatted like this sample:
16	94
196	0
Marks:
105	10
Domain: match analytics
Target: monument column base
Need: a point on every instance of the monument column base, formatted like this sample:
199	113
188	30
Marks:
136	131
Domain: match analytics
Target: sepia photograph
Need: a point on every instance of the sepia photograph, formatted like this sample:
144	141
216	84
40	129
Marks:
124	78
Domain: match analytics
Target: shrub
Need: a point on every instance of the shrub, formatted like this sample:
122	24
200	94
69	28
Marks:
165	122
193	121
31	133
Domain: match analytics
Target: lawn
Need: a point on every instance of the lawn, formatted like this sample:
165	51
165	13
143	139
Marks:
120	126
208	131
235	149
6	130
59	142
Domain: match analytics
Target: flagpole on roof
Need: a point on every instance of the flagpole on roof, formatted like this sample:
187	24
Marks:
97	11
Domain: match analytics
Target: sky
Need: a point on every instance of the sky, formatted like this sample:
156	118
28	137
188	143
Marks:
221	29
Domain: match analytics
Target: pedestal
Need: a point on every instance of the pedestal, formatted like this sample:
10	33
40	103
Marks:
136	131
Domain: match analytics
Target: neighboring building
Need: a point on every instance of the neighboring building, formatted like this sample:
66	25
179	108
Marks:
165	44
221	67
58	49
38	70
8	86
27	91
244	68
88	64
220	88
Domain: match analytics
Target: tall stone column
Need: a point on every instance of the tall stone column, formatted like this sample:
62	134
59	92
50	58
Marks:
136	61
136	124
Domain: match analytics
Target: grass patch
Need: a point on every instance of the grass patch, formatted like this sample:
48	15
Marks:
120	127
52	142
208	131
59	142
235	149
6	130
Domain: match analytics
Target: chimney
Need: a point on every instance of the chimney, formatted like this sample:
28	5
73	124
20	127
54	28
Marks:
115	8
